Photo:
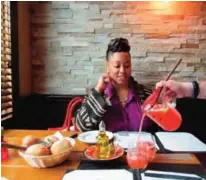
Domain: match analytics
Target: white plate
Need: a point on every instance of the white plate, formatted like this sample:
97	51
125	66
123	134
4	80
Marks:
181	142
90	136
123	138
109	174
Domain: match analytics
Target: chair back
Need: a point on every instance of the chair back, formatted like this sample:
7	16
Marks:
69	119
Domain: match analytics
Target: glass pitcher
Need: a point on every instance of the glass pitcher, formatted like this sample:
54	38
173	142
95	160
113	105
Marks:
163	113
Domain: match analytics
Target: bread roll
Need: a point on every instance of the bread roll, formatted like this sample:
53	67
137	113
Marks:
60	146
38	150
29	140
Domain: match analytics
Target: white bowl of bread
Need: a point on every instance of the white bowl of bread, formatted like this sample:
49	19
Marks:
47	152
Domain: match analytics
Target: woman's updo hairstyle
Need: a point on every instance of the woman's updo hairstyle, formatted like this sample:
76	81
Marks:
117	45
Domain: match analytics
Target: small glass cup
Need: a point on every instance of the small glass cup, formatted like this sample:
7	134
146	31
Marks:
4	154
4	151
136	158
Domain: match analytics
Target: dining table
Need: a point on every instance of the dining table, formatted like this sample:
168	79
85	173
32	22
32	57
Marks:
16	168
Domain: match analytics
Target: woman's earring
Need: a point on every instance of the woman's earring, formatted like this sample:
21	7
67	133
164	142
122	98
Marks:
107	71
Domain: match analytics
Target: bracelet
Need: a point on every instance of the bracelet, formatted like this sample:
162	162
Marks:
195	89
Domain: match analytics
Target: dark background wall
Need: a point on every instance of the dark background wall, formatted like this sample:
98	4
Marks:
43	111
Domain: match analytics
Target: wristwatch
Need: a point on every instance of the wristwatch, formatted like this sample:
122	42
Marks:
196	89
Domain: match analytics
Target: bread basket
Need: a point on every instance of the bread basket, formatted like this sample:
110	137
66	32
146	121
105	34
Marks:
49	160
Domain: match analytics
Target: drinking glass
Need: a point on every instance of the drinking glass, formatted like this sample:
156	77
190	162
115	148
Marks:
4	151
136	158
146	143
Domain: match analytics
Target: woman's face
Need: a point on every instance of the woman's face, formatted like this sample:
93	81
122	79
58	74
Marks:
119	67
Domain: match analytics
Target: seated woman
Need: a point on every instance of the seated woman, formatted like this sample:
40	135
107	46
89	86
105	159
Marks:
117	97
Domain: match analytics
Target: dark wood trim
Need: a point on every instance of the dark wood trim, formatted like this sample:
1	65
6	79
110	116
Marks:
15	54
58	98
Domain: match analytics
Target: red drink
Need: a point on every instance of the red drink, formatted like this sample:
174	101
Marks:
4	151
137	160
166	117
162	113
151	153
4	154
148	148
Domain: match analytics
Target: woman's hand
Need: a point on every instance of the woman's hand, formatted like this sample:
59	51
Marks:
102	83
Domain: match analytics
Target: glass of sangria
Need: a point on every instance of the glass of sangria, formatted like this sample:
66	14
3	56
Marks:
136	157
147	145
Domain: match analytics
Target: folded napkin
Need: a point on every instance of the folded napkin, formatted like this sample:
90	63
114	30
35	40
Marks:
162	175
109	174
